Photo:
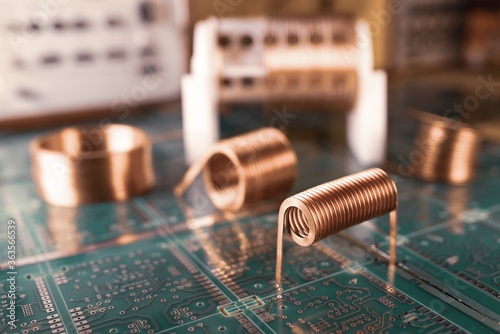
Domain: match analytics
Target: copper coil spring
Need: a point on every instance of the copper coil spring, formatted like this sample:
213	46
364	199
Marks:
80	165
245	169
319	212
444	153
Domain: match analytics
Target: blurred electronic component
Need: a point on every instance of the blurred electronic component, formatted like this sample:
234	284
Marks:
319	60
329	208
245	169
482	36
65	58
448	151
406	34
426	33
76	166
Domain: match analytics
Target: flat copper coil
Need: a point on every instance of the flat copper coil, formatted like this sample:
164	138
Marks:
80	165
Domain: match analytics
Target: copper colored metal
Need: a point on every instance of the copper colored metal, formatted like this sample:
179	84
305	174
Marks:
244	169
82	165
329	208
447	153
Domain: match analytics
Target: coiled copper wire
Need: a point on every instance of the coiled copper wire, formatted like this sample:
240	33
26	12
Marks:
329	208
443	152
76	166
244	169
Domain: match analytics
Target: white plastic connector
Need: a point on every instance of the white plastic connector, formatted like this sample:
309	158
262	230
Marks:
366	122
200	117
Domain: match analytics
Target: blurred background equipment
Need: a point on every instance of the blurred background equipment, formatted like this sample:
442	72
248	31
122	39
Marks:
300	62
481	47
406	34
425	33
60	58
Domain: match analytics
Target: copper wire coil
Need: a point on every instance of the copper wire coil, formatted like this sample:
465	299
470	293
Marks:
326	209
445	153
245	169
293	77
76	166
319	212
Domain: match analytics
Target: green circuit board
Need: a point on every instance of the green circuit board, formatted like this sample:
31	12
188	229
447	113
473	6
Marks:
153	264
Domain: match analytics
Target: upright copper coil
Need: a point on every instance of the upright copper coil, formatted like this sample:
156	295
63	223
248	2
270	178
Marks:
329	208
82	165
244	169
444	153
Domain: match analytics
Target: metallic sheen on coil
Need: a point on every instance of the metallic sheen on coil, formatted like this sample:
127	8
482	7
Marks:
80	165
245	169
319	212
447	153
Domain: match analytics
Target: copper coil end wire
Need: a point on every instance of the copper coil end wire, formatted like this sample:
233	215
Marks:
245	169
321	211
81	165
449	153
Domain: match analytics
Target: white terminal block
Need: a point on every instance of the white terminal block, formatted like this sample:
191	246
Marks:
251	59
